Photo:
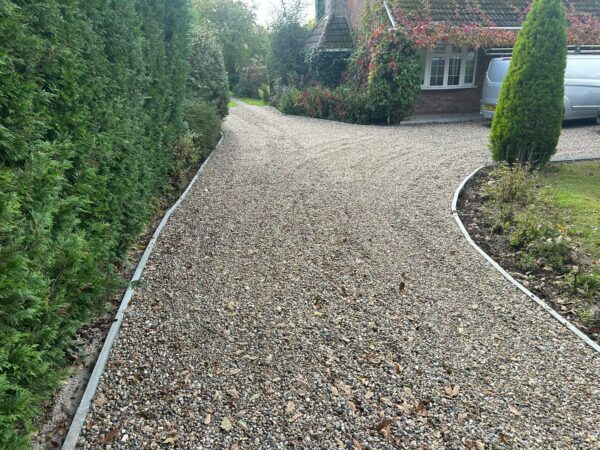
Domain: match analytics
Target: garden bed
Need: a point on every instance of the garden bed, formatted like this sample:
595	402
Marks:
543	227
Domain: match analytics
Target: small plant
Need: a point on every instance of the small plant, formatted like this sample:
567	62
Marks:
264	92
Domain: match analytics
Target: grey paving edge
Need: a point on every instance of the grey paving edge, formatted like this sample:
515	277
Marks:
70	442
576	331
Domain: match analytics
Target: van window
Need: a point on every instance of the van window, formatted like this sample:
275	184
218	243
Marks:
583	69
498	70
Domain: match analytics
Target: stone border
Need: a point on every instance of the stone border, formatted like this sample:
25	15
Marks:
70	442
576	331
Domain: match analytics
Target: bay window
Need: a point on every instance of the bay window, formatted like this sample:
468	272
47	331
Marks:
448	67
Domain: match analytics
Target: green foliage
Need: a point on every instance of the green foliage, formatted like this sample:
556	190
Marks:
251	79
383	82
204	123
327	68
208	77
91	101
286	58
527	123
235	25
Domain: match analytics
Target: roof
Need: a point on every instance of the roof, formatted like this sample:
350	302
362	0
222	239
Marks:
499	13
332	33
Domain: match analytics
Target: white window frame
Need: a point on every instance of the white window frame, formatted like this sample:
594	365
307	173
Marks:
463	69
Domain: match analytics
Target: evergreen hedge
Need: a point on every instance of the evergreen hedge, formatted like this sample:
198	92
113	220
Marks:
91	101
527	122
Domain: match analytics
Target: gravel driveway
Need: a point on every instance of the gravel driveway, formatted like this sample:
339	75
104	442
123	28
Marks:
314	291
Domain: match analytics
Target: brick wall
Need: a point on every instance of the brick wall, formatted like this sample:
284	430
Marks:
455	101
356	8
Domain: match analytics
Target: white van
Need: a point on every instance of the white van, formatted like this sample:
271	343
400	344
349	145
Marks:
582	86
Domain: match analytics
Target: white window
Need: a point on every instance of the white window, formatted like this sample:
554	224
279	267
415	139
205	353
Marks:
449	67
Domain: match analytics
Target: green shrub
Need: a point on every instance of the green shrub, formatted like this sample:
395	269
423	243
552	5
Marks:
264	92
286	56
327	68
91	102
208	78
250	81
204	123
527	122
384	79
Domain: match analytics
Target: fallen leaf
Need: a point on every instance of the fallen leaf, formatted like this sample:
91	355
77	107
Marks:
208	419
295	417
461	417
514	410
452	391
146	429
170	440
383	426
334	390
356	445
387	401
398	369
290	407
226	424
110	436
437	434
402	286
368	395
101	400
233	393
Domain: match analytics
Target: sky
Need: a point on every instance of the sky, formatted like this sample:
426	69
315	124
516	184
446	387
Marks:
265	7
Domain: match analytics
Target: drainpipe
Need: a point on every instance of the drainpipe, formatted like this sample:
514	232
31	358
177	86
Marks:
390	15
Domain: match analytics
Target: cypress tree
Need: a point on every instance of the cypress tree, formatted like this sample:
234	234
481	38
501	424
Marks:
528	119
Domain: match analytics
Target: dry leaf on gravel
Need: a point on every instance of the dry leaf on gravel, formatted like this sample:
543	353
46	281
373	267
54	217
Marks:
383	427
452	391
110	436
101	400
474	445
356	445
514	410
226	424
290	407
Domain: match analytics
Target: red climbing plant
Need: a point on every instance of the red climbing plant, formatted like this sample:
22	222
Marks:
423	31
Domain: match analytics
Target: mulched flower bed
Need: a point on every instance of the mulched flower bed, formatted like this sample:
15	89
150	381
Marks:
552	285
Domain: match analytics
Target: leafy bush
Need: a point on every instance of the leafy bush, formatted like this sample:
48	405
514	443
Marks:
527	123
383	83
204	124
208	78
327	68
91	101
264	92
250	81
286	58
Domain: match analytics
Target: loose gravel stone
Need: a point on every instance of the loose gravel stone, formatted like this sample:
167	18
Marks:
313	291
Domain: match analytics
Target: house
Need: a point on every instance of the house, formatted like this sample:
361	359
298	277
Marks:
453	73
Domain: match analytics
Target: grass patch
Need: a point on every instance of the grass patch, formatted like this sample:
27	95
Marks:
550	222
253	101
232	104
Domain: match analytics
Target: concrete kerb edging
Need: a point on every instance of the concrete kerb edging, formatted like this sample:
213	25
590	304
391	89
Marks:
70	442
576	331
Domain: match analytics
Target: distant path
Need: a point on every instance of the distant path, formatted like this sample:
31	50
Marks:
271	314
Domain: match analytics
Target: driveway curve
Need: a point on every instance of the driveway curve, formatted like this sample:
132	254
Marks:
314	291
